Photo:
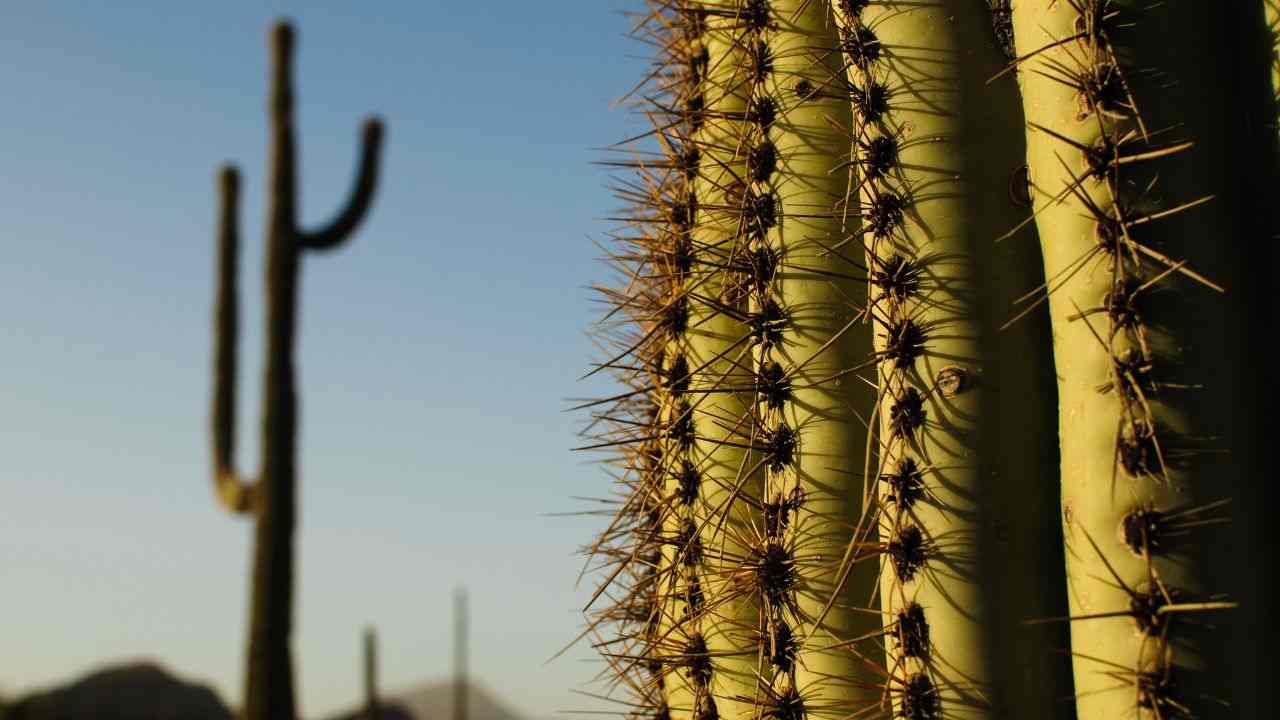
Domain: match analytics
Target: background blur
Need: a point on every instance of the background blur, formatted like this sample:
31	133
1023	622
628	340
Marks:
436	351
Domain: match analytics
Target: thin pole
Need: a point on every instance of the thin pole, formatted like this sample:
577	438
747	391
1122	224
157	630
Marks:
460	654
371	711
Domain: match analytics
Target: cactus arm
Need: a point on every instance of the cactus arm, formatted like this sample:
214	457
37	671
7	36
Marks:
360	198
1087	449
234	494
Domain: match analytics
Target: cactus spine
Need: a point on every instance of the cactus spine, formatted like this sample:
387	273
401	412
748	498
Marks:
271	496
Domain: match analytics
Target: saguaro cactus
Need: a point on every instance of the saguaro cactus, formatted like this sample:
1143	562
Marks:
842	492
270	497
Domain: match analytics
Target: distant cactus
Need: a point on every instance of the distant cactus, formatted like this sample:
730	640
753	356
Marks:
841	494
271	496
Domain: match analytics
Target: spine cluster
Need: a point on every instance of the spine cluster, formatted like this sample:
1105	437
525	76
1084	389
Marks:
768	567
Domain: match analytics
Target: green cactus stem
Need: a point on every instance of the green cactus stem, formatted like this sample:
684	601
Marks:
730	638
699	416
271	497
1131	114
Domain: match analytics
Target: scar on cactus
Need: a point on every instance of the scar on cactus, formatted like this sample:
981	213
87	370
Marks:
271	497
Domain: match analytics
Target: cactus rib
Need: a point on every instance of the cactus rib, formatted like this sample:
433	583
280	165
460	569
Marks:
962	445
1125	165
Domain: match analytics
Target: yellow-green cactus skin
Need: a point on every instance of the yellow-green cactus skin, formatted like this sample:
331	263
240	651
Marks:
720	356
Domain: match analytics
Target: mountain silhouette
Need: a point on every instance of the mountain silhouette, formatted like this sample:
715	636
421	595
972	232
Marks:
133	691
146	691
434	701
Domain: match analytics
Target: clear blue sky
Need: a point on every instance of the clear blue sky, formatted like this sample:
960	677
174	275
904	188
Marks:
436	351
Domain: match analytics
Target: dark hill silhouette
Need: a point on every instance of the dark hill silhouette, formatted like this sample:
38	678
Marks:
387	711
134	691
434	701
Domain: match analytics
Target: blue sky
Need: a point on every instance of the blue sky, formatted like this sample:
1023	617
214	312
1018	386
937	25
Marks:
437	350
